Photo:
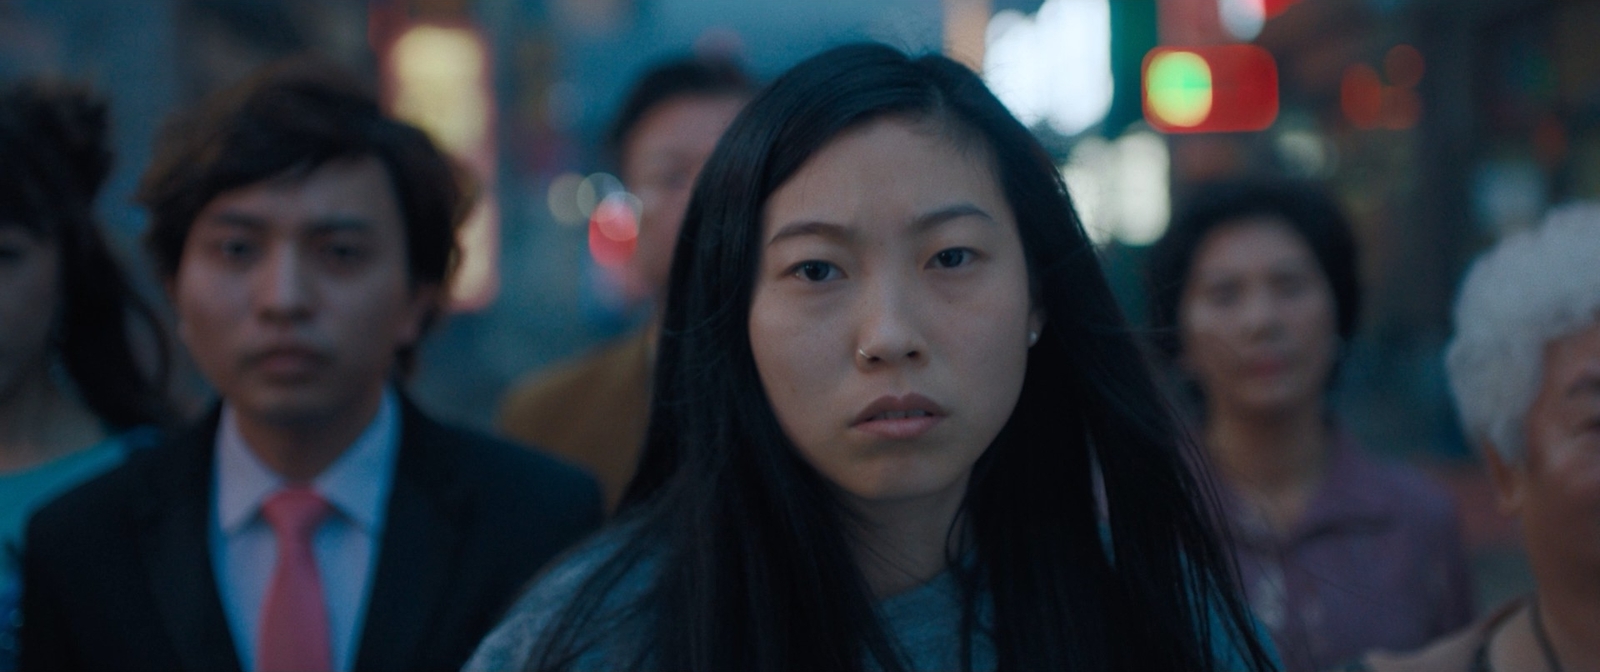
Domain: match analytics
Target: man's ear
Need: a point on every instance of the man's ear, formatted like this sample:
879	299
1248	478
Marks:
1510	480
426	303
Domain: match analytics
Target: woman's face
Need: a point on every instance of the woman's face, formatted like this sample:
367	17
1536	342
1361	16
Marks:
28	282
891	317
1257	319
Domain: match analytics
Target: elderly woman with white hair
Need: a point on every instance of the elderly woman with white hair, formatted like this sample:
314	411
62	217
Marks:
1524	368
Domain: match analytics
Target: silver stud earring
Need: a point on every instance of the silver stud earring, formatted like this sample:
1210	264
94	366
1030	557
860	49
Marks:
1033	337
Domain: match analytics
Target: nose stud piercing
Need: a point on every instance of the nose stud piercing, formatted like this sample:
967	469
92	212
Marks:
863	355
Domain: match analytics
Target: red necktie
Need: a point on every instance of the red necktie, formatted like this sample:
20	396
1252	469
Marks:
294	621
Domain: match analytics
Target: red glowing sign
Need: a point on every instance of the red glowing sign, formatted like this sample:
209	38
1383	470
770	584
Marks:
1210	89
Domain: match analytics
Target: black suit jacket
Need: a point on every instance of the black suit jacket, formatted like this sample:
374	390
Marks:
117	573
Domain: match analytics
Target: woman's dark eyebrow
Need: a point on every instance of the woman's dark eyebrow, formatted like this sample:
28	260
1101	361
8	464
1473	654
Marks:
948	213
832	231
922	223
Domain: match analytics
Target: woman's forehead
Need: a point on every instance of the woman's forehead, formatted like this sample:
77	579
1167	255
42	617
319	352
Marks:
890	166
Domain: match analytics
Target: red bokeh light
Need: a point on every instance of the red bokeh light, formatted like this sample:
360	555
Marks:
613	233
1361	96
1273	8
1368	102
1403	66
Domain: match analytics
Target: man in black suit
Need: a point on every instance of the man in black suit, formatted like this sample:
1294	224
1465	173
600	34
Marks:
315	519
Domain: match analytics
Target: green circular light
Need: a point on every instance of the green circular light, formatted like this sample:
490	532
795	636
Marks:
1179	86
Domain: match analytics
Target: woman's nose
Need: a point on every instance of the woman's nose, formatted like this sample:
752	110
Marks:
891	327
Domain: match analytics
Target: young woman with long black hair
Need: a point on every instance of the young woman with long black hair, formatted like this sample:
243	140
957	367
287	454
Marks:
891	376
71	385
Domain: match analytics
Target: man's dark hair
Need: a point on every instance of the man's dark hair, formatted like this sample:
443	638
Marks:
286	121
1306	209
686	77
289	120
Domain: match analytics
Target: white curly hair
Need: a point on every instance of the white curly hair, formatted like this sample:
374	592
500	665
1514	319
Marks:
1531	288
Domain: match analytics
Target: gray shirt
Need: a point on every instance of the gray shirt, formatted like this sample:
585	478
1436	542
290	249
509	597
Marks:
925	621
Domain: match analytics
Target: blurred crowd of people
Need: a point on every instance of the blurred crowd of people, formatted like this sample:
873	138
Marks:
885	413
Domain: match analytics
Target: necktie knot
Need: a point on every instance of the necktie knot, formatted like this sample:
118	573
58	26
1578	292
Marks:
294	513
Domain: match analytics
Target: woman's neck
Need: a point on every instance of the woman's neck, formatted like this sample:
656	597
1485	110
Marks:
1275	459
905	543
39	423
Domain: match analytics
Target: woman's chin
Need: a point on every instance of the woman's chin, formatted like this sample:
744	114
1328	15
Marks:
1276	400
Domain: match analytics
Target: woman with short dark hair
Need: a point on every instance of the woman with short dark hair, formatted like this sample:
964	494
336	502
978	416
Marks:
1254	292
891	378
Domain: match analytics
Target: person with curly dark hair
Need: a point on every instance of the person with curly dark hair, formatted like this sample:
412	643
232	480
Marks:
82	356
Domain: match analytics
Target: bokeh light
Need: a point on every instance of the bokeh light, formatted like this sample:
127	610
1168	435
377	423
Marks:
1361	96
594	189
1305	153
1368	102
562	198
437	76
437	72
1404	66
1053	67
1122	189
1243	18
614	230
1180	88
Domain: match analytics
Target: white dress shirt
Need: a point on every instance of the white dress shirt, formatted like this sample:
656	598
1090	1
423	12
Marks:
244	550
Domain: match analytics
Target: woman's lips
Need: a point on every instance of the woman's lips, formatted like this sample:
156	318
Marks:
900	429
900	417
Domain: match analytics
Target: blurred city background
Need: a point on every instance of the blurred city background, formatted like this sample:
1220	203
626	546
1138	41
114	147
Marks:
1441	125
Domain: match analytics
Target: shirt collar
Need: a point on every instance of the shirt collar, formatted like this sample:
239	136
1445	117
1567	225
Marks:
356	484
1344	499
1349	495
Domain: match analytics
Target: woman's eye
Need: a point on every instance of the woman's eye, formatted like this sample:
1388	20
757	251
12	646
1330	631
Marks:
815	271
952	257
